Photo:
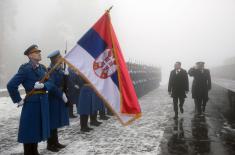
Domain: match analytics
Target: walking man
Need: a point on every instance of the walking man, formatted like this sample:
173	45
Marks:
201	85
178	86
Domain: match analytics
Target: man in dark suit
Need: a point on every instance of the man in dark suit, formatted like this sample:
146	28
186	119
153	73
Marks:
201	85
178	87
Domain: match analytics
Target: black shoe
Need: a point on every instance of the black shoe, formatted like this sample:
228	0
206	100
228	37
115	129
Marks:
52	148
176	117
89	128
181	109
104	117
95	123
60	146
85	130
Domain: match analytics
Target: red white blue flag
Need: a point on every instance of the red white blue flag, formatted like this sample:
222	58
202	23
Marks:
98	58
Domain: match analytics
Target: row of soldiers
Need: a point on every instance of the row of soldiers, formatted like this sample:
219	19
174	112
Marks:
145	78
46	105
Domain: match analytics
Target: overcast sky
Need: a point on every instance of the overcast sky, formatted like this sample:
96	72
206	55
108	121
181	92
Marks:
156	32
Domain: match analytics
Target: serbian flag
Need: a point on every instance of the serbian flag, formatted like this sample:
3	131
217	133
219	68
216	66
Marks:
98	58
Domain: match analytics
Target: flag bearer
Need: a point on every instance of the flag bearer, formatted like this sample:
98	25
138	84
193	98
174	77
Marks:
59	115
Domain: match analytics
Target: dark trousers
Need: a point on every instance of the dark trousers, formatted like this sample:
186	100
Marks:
175	102
200	105
31	149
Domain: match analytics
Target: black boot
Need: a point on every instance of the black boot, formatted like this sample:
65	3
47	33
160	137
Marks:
93	120
57	144
28	149
35	149
51	141
103	115
83	123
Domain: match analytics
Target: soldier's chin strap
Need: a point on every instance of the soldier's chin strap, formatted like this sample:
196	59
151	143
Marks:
46	77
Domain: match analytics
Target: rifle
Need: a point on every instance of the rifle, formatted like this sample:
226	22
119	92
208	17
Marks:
65	78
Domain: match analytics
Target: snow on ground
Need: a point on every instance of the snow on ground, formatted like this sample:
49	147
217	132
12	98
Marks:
142	137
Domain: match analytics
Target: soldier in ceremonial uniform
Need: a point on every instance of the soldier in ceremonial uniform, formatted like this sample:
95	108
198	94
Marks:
59	115
201	85
84	106
34	124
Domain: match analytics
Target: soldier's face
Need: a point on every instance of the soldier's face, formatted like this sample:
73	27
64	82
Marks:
56	59
35	55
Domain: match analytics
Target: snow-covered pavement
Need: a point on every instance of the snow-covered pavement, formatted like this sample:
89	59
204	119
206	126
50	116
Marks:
142	137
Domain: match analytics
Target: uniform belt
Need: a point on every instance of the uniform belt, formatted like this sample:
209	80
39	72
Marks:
39	92
87	84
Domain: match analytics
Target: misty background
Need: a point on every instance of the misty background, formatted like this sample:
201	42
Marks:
154	32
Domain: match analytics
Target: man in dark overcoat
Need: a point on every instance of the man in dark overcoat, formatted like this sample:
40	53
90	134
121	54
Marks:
178	86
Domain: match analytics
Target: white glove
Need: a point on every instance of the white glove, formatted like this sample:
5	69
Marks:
38	85
64	97
76	86
21	103
66	71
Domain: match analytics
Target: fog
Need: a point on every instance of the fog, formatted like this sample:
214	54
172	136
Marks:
154	32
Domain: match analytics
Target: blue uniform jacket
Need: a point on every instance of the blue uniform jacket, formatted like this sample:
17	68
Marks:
84	106
59	115
34	121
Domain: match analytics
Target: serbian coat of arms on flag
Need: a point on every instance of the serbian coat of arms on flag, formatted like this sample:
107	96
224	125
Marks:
98	58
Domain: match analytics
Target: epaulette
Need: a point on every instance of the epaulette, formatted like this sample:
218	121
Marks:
24	65
44	67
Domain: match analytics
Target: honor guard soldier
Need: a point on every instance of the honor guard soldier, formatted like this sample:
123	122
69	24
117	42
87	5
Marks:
84	106
200	87
59	115
34	125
